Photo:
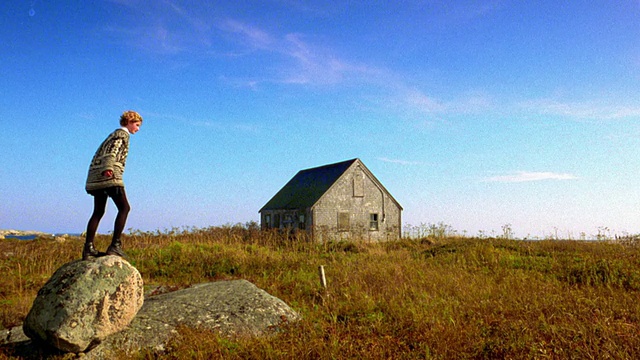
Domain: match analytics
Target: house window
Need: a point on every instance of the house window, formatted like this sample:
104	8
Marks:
267	220
276	221
301	222
288	221
358	184
373	222
343	221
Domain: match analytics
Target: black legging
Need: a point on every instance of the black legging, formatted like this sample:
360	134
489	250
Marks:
99	207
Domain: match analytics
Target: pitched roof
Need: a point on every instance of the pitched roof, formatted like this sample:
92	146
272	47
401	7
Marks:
307	186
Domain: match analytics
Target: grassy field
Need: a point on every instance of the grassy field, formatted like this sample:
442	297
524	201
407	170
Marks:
433	297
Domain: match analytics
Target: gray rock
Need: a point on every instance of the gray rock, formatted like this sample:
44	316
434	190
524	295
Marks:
84	302
235	307
10	232
13	335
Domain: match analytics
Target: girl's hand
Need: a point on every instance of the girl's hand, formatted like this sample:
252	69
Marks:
107	173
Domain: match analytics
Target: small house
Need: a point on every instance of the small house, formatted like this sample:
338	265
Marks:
336	201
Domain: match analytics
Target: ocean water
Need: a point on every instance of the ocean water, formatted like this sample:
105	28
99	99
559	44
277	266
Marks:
21	237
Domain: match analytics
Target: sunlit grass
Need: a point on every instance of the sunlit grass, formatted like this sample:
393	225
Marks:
437	295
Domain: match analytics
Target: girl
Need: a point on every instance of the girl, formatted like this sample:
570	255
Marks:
105	181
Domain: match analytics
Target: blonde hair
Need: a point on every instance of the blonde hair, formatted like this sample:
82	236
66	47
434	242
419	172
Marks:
130	116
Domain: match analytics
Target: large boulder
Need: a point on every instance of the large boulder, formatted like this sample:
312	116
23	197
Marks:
231	308
84	302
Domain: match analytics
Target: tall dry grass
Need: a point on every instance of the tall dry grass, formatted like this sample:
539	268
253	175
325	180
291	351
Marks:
433	297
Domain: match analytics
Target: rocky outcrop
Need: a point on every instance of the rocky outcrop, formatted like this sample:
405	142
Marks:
5	233
84	302
235	307
30	235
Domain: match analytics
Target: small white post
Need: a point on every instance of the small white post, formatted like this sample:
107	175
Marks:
323	279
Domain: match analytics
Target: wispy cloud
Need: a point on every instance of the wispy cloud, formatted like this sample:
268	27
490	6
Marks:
397	161
161	27
424	103
580	110
301	61
527	176
167	28
417	103
249	35
429	111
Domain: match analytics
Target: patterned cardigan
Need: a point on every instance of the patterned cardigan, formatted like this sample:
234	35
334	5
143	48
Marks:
111	155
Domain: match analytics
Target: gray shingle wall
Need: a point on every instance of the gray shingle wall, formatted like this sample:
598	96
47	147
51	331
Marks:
340	198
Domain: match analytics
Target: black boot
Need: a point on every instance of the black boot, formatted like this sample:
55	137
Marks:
116	248
89	252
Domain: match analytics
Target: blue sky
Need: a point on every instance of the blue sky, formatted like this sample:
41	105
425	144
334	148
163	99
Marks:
472	113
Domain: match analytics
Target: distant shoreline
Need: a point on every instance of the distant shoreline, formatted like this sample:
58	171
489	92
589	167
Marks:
22	232
29	234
